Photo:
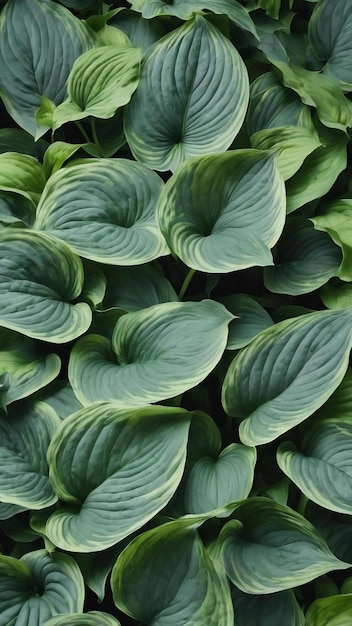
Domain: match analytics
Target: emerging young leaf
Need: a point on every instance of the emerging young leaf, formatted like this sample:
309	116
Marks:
224	212
191	99
105	211
39	43
43	276
21	174
286	373
158	353
269	548
39	586
114	470
177	581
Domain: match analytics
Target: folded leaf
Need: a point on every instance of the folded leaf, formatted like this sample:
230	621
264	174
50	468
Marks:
191	99
331	611
105	211
224	212
21	174
114	470
286	373
335	220
158	353
43	276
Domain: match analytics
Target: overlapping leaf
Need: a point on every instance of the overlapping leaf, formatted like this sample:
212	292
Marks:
331	611
21	174
286	373
191	99
105	211
114	470
250	319
224	212
93	618
335	220
136	288
269	610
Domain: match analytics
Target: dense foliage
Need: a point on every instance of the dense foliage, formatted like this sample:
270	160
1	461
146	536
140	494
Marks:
175	313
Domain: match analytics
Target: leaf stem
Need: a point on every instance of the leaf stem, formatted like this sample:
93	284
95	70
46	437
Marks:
82	131
302	504
95	136
186	282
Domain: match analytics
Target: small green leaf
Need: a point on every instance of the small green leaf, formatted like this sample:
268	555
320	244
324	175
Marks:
336	221
331	611
21	174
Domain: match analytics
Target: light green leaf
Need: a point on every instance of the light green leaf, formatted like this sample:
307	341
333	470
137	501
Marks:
336	221
136	288
101	81
269	610
329	36
191	99
35	34
214	482
305	259
25	436
222	213
93	618
251	319
185	10
286	373
37	587
336	294
23	367
110	136
21	174
143	452
331	611
322	468
269	548
105	211
56	155
43	276
158	353
289	144
177	581
106	34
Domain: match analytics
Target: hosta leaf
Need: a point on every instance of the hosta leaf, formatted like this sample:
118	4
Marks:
16	210
215	482
110	136
319	171
305	259
269	610
329	36
25	436
269	548
177	581
96	571
251	319
144	452
335	528
322	468
339	404
141	32
136	288
9	510
56	155
101	81
336	294
185	9
159	353
224	212
336	221
43	276
331	611
24	368
21	174
61	398
35	34
191	99
93	618
37	587
17	140
105	211
286	373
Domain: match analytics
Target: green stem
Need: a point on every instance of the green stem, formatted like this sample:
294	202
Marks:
186	282
83	132
95	136
302	504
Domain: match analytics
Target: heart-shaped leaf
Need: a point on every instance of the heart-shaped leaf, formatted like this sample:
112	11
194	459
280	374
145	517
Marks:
224	212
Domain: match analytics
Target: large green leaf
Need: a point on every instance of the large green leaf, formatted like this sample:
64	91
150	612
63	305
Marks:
93	618
136	288
305	259
336	221
286	373
322	468
224	212
101	81
273	609
43	276
37	587
177	582
329	36
25	436
23	368
105	211
21	174
157	353
269	548
331	611
39	43
191	99
114	470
